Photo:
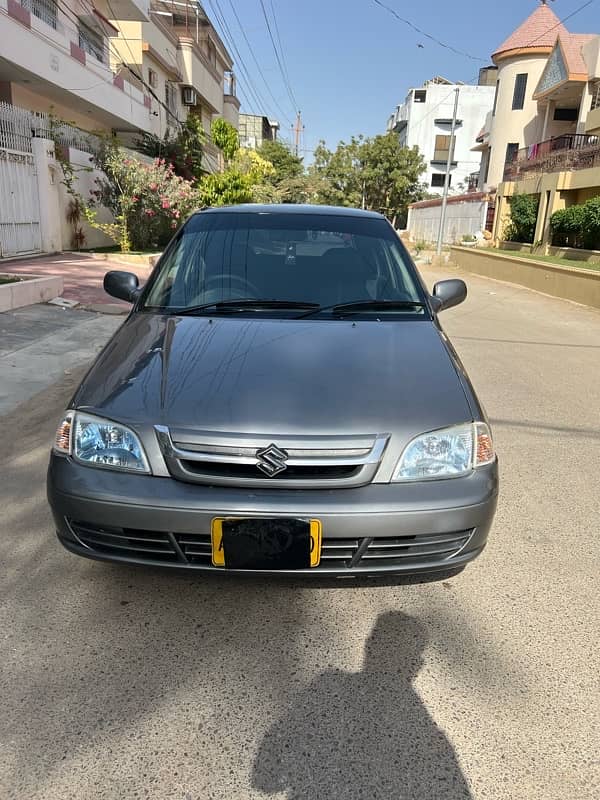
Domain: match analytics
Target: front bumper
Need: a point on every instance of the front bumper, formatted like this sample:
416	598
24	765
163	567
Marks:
381	528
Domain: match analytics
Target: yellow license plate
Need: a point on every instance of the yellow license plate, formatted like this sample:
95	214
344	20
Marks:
261	543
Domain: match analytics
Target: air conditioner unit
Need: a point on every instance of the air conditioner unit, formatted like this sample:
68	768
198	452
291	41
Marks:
190	98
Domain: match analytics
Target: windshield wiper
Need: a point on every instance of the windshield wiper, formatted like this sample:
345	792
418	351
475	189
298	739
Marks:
243	304
365	305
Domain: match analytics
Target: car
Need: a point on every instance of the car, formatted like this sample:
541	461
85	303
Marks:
281	399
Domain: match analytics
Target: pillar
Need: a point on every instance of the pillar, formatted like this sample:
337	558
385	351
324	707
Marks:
48	179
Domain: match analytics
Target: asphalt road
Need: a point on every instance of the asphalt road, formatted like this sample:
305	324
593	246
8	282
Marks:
123	683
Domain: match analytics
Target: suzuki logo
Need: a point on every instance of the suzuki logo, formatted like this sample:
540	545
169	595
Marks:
271	460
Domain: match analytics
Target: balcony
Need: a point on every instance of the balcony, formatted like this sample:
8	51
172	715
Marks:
54	59
572	151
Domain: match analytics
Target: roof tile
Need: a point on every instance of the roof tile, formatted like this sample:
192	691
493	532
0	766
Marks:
540	29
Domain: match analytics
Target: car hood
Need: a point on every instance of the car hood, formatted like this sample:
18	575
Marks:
277	376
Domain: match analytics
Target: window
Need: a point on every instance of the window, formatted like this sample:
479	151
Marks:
437	179
486	171
512	148
171	97
596	96
519	92
211	52
152	78
442	147
495	98
42	9
566	114
311	258
92	42
420	96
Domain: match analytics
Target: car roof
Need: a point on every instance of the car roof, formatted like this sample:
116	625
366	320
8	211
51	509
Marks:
292	208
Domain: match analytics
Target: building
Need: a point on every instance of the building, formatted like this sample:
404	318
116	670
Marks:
121	66
542	90
55	57
424	120
256	129
181	59
542	137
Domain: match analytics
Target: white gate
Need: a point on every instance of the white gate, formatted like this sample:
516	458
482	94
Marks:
19	201
19	204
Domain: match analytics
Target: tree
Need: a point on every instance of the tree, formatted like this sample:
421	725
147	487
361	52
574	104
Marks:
390	175
184	149
376	173
339	171
285	163
225	137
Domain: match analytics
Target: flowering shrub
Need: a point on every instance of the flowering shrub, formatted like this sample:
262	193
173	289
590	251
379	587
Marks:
148	201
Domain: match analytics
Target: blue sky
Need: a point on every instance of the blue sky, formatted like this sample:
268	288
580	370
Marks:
350	63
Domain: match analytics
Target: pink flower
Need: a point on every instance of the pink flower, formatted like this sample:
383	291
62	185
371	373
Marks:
173	225
149	212
166	204
153	187
134	199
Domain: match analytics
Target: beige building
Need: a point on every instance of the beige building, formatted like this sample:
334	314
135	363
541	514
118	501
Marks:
542	136
58	57
123	66
183	63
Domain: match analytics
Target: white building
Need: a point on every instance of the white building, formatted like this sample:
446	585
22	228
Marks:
425	118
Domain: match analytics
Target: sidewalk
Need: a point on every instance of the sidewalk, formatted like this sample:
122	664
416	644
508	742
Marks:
82	275
40	345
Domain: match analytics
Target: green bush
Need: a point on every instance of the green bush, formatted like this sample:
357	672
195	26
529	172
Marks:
567	227
577	225
523	218
591	223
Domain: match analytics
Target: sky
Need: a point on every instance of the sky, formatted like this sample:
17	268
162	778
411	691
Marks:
350	62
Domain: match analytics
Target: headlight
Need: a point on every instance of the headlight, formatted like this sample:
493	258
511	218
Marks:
100	443
446	453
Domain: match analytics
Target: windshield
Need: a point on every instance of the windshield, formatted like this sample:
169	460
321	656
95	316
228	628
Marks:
312	260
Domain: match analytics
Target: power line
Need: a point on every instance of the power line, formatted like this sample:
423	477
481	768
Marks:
279	62
410	24
281	48
230	41
283	113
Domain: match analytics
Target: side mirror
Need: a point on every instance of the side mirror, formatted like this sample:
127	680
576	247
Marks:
449	293
123	285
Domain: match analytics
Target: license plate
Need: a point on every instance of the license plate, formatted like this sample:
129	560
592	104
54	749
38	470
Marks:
267	543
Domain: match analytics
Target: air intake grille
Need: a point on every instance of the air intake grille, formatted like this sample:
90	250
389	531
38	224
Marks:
194	549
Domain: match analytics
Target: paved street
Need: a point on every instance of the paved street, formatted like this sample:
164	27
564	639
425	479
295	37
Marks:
42	344
122	683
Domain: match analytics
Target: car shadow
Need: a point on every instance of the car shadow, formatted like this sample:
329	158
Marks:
363	734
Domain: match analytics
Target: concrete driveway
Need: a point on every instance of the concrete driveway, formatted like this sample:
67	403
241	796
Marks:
124	683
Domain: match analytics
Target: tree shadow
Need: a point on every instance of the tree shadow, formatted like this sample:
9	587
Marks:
365	734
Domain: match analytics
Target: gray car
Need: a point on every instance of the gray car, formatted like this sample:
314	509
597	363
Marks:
281	399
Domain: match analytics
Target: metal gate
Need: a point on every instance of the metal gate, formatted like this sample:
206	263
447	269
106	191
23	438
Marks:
19	200
19	204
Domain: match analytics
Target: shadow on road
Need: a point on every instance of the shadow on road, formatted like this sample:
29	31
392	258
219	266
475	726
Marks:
363	734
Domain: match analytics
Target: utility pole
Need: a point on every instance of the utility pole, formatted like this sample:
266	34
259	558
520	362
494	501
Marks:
447	178
298	130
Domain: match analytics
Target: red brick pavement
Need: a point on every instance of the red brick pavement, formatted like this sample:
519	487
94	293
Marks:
82	274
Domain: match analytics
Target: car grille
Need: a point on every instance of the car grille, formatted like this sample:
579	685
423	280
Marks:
220	459
194	549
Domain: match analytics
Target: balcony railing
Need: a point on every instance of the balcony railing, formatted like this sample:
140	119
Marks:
572	151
